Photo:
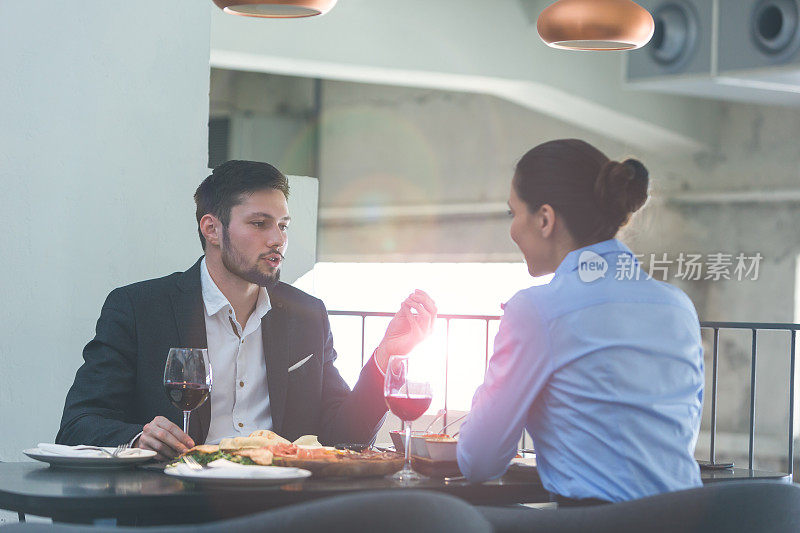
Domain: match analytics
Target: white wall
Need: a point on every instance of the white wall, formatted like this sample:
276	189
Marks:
301	254
103	139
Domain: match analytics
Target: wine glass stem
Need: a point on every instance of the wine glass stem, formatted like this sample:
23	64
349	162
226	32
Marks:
186	421
407	429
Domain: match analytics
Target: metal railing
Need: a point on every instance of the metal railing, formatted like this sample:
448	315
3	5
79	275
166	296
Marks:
753	327
447	318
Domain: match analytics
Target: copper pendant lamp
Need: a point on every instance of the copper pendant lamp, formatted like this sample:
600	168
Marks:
276	8
595	25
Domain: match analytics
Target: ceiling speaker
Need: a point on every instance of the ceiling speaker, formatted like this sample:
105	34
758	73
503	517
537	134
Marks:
681	43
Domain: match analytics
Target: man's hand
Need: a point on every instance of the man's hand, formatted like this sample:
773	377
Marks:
410	325
165	438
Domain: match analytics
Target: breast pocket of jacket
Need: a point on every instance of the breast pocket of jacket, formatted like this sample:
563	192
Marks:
304	365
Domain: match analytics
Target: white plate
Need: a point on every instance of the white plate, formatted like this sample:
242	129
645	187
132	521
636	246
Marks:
244	476
524	462
100	461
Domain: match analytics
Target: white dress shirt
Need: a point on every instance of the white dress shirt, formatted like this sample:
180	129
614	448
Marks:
239	394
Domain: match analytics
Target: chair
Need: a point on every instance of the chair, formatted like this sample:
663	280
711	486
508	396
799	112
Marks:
399	511
730	507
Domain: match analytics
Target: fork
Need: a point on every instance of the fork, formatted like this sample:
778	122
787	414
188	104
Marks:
439	415
454	421
96	448
191	462
119	449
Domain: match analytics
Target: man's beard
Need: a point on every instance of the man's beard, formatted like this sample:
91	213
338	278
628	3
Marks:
236	264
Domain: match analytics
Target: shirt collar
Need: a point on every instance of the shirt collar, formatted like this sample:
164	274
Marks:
603	248
214	300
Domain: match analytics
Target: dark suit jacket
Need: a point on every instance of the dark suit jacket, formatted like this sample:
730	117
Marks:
119	387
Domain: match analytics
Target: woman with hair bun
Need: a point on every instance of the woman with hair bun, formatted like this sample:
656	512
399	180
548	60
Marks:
603	365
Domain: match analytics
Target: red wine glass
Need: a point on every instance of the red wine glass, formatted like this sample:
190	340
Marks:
187	379
408	394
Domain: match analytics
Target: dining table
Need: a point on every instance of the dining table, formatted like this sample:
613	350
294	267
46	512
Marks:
147	496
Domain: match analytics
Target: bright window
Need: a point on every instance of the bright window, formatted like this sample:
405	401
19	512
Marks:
457	288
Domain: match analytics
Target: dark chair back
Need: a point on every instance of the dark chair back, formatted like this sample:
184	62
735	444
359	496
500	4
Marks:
388	511
729	507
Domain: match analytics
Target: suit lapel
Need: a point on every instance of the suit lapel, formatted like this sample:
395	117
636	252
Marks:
187	305
274	330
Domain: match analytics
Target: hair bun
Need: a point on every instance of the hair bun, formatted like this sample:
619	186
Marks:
621	190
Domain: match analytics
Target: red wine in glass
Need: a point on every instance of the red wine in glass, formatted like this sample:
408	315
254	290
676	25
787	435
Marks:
187	379
186	396
408	395
408	407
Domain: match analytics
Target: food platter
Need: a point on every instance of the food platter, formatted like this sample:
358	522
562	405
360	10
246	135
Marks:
348	464
267	449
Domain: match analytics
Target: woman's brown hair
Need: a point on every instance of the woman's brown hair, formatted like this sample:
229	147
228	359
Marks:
594	195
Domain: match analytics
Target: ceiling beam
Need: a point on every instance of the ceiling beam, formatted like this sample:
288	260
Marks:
481	46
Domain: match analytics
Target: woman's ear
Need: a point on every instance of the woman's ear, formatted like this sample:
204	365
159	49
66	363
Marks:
546	220
211	228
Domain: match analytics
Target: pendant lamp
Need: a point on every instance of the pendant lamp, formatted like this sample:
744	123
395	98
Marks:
276	8
595	25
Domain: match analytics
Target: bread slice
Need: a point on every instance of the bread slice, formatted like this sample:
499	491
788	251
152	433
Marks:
260	456
271	436
203	448
308	440
238	443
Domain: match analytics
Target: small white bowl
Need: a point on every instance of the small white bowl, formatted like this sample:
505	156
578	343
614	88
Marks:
418	447
399	438
442	449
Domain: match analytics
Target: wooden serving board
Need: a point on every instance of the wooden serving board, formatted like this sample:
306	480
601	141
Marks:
354	464
432	468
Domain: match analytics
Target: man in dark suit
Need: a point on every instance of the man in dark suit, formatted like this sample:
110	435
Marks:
270	345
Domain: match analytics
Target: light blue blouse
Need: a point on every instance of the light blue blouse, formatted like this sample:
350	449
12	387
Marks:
604	367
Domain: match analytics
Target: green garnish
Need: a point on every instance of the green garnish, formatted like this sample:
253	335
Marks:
205	458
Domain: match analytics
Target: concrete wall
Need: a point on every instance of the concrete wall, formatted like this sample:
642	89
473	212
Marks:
756	152
388	146
462	45
104	140
270	118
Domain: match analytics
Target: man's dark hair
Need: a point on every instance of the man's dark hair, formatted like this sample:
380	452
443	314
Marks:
229	183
